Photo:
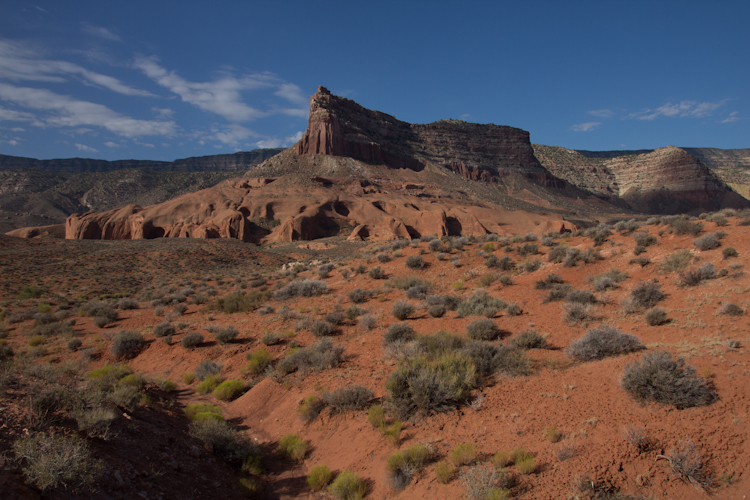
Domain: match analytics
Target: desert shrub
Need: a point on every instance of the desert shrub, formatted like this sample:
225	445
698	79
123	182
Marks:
398	332
322	329
683	226
435	246
599	234
529	339
293	447
527	249
357	296
557	254
377	274
58	328
731	309
480	304
96	309
203	411
417	292
271	338
225	441
355	397
209	383
30	292
436	311
415	262
676	261
50	461
637	436
580	297
450	302
529	266
656	316
319	356
483	329
334	318
376	416
125	396
645	295
444	472
707	242
576	313
484	356
402	310
526	465
127	344
694	277
353	312
383	257
241	302
325	269
463	454
226	335
74	344
601	342
367	322
504	263
406	282
423	385
440	343
658	377
164	329
206	368
558	292
687	464
320	476
192	340
548	282
348	486
311	408
301	288
483	482
258	361
729	252
643	239
229	390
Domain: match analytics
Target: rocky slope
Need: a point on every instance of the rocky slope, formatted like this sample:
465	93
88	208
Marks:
236	162
666	180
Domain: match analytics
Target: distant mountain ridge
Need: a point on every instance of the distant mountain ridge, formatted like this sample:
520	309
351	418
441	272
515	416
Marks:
234	162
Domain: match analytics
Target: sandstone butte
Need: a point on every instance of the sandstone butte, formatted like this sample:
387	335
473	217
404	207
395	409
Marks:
366	175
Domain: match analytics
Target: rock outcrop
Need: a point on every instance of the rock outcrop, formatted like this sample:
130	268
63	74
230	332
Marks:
667	180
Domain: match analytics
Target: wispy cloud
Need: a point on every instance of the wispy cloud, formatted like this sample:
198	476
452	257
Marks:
733	117
232	134
221	96
21	62
111	144
15	116
100	32
65	111
83	147
585	127
602	113
682	109
291	93
275	142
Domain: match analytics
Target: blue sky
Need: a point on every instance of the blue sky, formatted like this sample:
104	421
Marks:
164	80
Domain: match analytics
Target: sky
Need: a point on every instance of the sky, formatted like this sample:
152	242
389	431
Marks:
165	79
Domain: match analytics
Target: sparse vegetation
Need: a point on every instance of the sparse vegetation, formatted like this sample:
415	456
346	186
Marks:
601	342
348	486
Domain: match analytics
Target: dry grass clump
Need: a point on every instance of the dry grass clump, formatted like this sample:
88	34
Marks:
656	316
637	437
601	342
444	472
484	482
258	361
577	313
301	288
463	454
530	339
706	271
677	261
320	476
480	304
319	356
730	309
687	464
658	377
348	486
355	397
707	242
293	447
401	466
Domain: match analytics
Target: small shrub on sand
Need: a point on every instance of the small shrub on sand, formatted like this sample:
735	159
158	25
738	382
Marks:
242	302
398	332
601	342
415	262
402	310
321	328
658	377
229	390
483	329
645	295
192	340
376	416
206	368
729	252
50	461
463	454
348	486
529	339
301	288
480	304
687	464
576	313
444	472
208	384
226	335
731	309
164	329
293	447
707	242
484	482
677	261
320	476
656	316
258	361
311	408
127	344
357	296
355	397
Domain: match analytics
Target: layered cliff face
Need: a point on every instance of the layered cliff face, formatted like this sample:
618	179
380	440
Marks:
340	127
666	180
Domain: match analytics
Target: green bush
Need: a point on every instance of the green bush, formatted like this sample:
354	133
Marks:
658	377
348	486
258	361
463	454
444	472
293	447
229	390
376	416
483	329
194	409
311	408
208	384
30	292
51	461
223	439
320	476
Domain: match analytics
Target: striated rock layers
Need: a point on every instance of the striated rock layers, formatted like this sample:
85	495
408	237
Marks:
666	180
257	211
341	127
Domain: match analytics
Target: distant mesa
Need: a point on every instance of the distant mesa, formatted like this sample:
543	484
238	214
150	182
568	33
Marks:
364	174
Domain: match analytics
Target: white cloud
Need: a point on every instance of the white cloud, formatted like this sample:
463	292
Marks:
66	111
292	93
16	116
272	142
302	113
111	144
601	113
163	112
19	62
232	134
221	96
465	116
585	127
733	117
682	109
292	139
13	142
83	147
100	32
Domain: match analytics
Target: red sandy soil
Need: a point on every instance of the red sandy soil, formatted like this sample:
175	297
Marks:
583	400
